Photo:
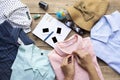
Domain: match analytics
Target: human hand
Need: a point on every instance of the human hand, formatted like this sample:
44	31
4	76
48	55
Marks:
68	67
83	58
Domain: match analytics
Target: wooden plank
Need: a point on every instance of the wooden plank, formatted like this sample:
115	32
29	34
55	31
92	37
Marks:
110	74
113	6
55	5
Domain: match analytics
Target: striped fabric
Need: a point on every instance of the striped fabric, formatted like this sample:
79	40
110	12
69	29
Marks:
105	36
16	13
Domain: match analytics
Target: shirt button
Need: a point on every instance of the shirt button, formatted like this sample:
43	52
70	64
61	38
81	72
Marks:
41	53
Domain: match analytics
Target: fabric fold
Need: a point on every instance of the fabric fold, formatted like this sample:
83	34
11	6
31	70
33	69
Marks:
32	62
65	48
106	40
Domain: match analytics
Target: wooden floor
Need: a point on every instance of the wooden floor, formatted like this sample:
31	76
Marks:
55	5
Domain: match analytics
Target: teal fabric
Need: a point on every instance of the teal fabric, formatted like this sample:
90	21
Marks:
32	63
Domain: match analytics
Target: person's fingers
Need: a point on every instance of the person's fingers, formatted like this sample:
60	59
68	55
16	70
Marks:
78	59
77	56
72	60
63	62
77	52
80	53
66	60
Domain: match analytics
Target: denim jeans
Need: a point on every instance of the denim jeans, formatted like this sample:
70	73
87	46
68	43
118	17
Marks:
9	47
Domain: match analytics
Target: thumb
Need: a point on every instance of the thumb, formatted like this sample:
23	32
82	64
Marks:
72	60
78	60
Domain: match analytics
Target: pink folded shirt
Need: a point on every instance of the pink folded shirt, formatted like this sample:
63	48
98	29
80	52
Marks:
67	47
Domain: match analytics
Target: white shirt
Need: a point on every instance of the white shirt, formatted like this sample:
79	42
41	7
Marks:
16	13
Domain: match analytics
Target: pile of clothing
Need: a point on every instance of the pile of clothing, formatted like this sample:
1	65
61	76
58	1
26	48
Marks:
21	59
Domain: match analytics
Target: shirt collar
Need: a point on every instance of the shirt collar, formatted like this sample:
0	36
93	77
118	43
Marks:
44	65
68	46
105	27
114	21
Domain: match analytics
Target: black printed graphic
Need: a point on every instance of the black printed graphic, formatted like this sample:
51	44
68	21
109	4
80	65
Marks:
59	30
45	30
54	39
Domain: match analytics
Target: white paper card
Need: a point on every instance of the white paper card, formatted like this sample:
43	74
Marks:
52	24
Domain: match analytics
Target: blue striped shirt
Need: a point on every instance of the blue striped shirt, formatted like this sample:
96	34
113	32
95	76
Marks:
105	36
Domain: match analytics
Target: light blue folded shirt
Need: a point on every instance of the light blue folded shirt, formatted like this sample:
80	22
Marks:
105	36
32	63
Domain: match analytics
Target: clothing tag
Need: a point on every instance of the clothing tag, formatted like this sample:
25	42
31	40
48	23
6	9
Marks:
28	16
20	41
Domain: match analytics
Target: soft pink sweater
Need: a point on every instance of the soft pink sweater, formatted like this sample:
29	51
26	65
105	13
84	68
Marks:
67	47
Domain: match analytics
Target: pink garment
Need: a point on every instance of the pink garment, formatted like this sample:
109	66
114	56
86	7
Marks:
67	47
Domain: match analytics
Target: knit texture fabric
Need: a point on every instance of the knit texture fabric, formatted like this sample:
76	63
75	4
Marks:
85	13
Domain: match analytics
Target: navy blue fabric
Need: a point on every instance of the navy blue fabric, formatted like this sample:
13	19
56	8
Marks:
9	47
